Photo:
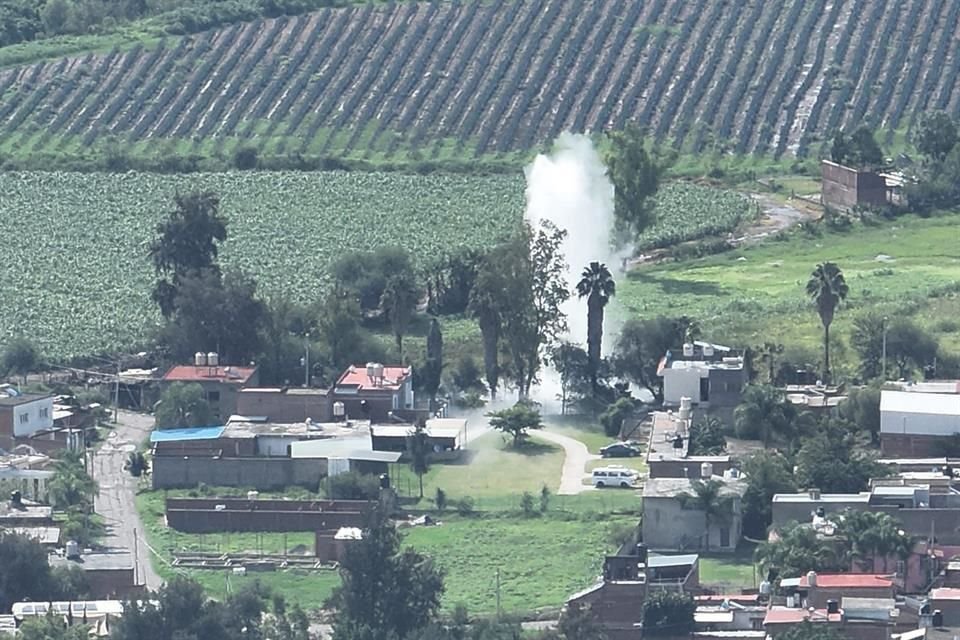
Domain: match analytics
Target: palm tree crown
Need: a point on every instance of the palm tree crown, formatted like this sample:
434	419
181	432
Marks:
709	498
597	283
827	288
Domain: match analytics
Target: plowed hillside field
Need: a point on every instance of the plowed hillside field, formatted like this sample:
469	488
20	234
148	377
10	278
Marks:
433	80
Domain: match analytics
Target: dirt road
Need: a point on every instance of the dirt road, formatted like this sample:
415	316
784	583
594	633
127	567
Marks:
574	462
116	501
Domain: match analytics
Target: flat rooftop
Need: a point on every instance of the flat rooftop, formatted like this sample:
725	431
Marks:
224	374
13	398
43	535
356	377
186	435
288	391
805	498
356	448
671	487
436	428
239	427
660	561
941	404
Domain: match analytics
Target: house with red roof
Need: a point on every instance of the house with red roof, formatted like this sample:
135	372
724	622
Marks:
374	391
817	590
220	383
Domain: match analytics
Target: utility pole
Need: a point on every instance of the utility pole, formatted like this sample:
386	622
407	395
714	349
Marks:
305	361
136	563
116	395
883	374
498	594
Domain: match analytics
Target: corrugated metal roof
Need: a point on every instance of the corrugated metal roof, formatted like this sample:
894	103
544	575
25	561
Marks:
349	448
941	404
672	561
183	435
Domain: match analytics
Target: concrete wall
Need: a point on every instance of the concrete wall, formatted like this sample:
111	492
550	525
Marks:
683	382
918	424
898	445
170	472
784	512
726	387
618	606
108	584
818	597
950	609
211	520
675	468
667	526
284	407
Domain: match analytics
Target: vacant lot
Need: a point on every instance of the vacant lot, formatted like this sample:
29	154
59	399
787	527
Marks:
542	560
906	267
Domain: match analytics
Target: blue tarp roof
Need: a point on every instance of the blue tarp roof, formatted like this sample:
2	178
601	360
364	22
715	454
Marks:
180	435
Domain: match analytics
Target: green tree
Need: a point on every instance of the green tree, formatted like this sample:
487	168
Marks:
19	357
385	592
432	369
668	613
136	464
871	536
706	437
862	408
418	449
839	147
483	307
865	150
186	245
797	549
827	288
344	341
573	365
935	135
641	346
597	286
183	405
830	461
635	172
613	416
909	346
26	572
765	413
364	275
769	352
768	473
580	623
71	485
708	496
517	421
52	627
399	302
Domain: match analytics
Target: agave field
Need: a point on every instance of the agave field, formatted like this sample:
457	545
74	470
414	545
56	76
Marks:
77	277
434	80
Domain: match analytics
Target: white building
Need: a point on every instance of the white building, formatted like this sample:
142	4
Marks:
23	414
914	423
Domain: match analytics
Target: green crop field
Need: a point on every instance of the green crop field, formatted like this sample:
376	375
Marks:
77	279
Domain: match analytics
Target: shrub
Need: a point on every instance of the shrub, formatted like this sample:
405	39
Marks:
464	506
245	158
526	503
544	499
353	486
440	499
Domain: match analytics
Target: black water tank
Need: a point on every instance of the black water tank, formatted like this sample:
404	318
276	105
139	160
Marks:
833	607
937	618
642	553
16	498
384	481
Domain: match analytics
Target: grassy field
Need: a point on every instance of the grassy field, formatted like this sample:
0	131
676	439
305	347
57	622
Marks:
756	294
730	572
542	560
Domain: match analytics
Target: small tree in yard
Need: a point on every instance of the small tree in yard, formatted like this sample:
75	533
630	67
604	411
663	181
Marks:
668	613
137	464
613	417
418	448
517	421
544	499
183	405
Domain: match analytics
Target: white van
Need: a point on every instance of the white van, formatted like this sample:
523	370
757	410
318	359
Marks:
614	476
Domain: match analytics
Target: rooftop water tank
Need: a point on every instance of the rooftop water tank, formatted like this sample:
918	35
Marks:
73	549
200	359
687	349
213	359
686	402
706	470
708	351
339	410
811	578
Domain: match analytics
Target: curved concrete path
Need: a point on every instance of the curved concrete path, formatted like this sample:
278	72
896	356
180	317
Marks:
574	461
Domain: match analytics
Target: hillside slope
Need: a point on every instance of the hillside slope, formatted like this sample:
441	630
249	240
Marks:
457	79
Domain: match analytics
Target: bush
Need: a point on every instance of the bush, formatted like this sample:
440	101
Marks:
440	499
353	486
464	506
245	158
526	504
544	499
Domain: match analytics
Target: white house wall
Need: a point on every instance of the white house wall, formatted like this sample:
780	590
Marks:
678	383
899	422
30	417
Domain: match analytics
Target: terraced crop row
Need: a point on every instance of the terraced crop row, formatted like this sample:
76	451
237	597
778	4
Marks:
502	76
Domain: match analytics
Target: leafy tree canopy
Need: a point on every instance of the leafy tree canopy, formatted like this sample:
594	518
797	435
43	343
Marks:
767	473
183	405
19	357
764	413
635	169
829	461
935	135
668	613
517	421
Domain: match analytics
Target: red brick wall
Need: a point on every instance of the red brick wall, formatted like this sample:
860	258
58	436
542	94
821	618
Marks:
911	446
283	407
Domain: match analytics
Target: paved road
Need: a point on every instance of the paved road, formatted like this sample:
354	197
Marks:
574	462
116	500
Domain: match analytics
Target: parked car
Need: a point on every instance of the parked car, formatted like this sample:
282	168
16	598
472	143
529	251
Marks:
620	450
614	476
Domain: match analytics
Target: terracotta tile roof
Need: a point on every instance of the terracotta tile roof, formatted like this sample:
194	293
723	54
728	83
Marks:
356	376
850	581
190	373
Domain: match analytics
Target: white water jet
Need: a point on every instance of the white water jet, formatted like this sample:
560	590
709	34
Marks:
570	188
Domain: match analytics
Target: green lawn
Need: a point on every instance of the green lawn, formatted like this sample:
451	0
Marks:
756	294
542	560
734	571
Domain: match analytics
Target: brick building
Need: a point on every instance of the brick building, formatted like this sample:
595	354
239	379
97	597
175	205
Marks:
285	404
374	391
917	423
844	187
220	384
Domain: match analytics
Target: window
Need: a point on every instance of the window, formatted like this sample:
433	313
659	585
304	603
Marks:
24	418
724	536
213	396
704	389
44	412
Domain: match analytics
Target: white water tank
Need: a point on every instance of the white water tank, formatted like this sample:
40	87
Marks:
73	549
684	413
687	349
811	578
706	470
200	359
339	411
686	402
213	359
708	351
253	495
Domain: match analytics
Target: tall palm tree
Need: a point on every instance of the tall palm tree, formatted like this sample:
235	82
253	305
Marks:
708	497
827	288
597	286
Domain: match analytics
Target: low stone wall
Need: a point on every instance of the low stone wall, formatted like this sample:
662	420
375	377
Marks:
264	474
